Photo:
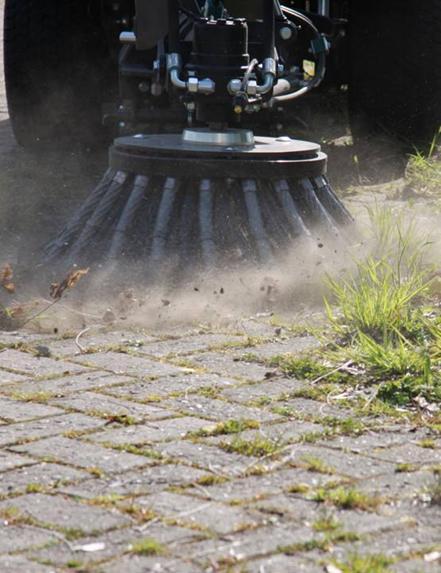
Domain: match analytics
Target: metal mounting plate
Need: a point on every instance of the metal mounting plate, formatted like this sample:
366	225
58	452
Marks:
169	154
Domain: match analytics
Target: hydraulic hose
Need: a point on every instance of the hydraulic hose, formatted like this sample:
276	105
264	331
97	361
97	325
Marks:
270	28
281	90
173	26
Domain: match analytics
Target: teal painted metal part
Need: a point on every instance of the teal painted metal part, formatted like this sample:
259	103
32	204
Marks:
214	9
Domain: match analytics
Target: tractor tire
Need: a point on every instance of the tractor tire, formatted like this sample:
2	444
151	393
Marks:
55	59
395	75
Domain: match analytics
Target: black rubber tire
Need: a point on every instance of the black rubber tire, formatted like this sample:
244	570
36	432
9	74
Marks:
395	55
56	71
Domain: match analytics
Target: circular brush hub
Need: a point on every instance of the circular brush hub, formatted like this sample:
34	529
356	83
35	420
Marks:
205	200
176	154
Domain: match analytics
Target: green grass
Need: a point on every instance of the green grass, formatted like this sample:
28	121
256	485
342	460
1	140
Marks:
347	498
365	564
306	368
423	172
227	427
434	491
313	464
148	547
326	524
385	326
257	447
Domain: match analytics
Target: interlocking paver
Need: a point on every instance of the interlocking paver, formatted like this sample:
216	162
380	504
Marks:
183	384
68	347
19	564
82	454
14	538
109	405
64	386
190	344
283	563
343	463
24	363
208	457
410	453
120	363
10	461
113	544
139	564
28	431
211	515
261	486
152	431
281	434
218	410
307	407
16	411
249	544
138	482
399	484
226	365
8	377
282	347
271	390
417	566
65	514
38	475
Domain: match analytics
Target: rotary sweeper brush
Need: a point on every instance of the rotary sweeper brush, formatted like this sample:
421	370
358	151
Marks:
201	175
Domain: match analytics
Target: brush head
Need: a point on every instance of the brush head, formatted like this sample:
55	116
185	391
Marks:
198	202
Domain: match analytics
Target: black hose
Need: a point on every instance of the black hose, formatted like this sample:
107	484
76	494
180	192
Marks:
173	26
270	28
321	62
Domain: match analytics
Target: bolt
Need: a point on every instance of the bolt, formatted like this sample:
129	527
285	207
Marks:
286	33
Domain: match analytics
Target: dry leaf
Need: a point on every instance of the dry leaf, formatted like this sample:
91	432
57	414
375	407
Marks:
70	281
6	276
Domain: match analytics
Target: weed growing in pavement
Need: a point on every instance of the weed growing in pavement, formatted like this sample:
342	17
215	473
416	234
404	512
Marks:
211	479
148	547
73	564
384	327
307	368
386	333
405	468
434	491
347	498
257	447
326	524
227	427
427	443
313	464
299	488
423	171
365	564
326	541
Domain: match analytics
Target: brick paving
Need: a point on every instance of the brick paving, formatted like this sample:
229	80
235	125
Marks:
109	462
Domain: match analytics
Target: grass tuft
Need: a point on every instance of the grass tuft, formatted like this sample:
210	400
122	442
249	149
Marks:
257	447
227	427
347	498
148	547
365	564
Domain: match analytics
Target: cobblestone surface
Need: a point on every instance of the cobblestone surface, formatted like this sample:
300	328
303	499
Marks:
118	467
124	459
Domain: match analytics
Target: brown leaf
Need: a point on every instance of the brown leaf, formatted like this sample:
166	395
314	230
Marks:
57	290
6	276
